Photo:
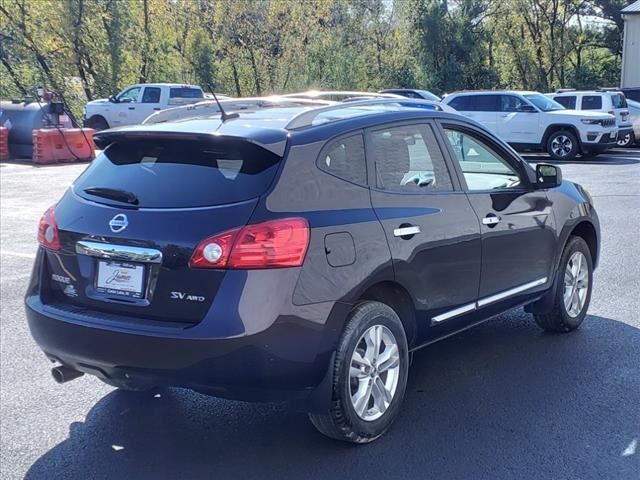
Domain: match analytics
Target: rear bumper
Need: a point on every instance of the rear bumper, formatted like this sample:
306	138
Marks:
256	347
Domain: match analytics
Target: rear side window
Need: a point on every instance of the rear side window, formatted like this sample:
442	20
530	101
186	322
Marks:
619	100
345	159
567	102
185	92
592	102
488	103
408	159
465	103
180	173
151	95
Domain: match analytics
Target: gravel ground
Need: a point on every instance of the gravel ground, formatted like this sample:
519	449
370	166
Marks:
500	401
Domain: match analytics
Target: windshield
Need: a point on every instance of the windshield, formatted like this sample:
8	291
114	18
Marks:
543	103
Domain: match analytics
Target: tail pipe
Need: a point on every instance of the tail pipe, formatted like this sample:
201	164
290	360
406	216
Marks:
63	374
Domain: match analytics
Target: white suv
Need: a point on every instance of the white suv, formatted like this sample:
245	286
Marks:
605	100
531	121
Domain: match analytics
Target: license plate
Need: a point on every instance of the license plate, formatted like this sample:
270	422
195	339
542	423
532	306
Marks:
613	134
119	278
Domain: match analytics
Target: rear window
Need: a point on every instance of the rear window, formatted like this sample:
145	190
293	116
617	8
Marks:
619	100
185	92
591	102
180	173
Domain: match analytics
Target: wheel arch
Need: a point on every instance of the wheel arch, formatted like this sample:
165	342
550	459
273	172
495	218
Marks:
587	232
397	297
560	126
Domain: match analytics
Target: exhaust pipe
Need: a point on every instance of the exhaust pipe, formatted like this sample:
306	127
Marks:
63	374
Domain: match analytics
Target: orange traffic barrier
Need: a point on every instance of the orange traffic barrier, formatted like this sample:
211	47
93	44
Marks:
52	145
4	143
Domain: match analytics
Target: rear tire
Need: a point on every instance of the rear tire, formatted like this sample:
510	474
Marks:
562	145
369	382
573	287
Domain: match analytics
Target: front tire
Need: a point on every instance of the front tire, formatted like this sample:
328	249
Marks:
369	376
562	145
573	287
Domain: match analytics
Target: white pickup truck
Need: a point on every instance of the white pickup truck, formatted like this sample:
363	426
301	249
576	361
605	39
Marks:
135	103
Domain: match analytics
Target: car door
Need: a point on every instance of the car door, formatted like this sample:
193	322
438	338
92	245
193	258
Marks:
518	120
517	224
124	109
432	231
149	103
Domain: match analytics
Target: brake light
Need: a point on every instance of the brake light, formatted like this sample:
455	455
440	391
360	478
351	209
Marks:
48	234
271	244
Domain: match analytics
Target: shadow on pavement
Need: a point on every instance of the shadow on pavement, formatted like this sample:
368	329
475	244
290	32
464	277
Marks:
503	400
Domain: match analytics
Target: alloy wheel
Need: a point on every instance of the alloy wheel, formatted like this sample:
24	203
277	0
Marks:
561	145
374	372
576	284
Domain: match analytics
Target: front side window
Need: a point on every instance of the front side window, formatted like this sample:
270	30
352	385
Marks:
130	95
567	102
408	159
483	168
592	102
511	103
345	159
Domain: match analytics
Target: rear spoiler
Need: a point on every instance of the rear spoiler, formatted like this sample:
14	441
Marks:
273	141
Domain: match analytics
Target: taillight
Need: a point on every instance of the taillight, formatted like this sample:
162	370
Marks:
271	244
611	112
48	235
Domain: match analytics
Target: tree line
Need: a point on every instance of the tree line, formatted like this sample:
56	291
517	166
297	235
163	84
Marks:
87	49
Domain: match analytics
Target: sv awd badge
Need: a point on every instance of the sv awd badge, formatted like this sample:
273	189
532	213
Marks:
186	297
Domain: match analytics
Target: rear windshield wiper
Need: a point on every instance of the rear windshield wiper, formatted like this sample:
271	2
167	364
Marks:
113	194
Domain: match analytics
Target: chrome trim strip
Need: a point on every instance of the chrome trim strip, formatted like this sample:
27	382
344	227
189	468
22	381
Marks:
119	252
512	291
401	232
455	312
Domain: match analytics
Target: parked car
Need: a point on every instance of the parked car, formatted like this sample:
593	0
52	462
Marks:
302	253
338	95
634	112
412	93
631	93
531	121
610	101
135	103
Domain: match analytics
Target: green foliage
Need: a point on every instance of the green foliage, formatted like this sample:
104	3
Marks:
90	49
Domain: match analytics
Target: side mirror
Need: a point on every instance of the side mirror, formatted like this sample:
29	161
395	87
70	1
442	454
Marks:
548	176
527	109
113	99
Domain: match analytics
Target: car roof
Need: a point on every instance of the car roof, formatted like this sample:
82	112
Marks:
271	128
493	92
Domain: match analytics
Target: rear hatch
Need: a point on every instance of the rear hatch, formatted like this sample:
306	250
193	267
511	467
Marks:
130	223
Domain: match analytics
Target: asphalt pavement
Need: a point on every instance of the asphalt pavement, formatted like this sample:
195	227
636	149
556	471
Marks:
501	401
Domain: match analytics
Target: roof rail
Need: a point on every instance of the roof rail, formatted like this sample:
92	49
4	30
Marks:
210	107
306	118
564	90
348	94
608	89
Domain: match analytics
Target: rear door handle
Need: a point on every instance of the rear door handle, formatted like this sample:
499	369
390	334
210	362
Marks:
491	220
132	108
406	231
